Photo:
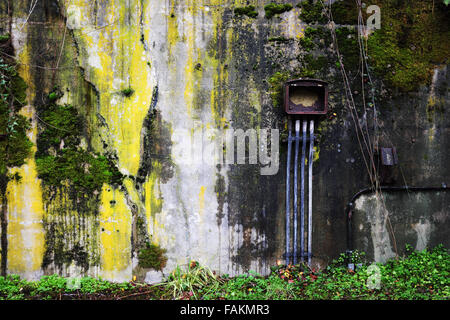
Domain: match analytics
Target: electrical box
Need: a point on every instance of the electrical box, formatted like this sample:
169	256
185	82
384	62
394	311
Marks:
306	96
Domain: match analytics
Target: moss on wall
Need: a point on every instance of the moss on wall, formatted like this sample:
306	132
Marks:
15	147
127	92
248	11
347	40
272	9
152	256
312	12
79	143
61	157
276	82
413	39
345	12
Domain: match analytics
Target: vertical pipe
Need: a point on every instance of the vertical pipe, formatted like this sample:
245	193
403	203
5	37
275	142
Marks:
302	193
297	140
310	188
288	189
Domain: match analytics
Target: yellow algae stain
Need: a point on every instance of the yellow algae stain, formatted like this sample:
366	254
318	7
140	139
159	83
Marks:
172	31
316	153
189	68
431	133
26	242
115	235
112	70
201	199
24	72
26	236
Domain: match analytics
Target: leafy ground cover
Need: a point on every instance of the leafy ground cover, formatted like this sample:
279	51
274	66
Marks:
420	275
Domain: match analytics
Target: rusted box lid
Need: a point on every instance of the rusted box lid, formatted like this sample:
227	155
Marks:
306	96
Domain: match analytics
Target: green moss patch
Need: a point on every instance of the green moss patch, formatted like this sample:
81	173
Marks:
279	39
272	9
127	92
60	158
346	12
84	170
276	82
249	11
307	43
312	12
347	39
412	40
61	124
15	146
152	256
312	66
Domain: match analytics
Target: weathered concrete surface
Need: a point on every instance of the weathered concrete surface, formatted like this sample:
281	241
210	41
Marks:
210	69
385	223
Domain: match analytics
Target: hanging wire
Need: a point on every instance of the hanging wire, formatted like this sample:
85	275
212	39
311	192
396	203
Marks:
362	139
362	133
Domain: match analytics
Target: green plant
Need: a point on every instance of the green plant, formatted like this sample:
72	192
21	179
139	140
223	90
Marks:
152	256
280	289
11	287
50	284
422	275
249	286
419	275
93	285
188	283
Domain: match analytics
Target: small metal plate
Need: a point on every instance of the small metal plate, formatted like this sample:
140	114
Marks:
389	156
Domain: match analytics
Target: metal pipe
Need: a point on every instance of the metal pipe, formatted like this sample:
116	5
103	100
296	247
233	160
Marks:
297	140
302	193
288	189
310	188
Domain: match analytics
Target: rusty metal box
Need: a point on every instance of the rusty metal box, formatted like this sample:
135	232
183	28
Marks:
306	96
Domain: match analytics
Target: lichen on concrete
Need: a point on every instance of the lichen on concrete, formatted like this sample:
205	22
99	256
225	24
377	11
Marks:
133	84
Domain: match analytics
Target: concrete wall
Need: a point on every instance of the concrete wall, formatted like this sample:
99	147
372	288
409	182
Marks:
209	70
